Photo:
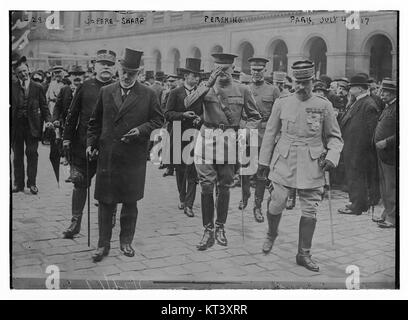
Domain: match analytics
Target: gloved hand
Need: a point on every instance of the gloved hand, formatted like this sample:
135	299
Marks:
131	135
56	123
213	77
66	148
263	171
91	153
327	165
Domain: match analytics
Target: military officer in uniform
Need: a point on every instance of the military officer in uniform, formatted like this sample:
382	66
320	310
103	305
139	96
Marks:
224	101
265	95
301	128
76	125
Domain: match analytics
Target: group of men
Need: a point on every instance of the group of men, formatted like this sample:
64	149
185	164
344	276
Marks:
107	125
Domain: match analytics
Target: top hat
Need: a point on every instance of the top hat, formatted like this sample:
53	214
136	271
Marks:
388	84
224	58
258	62
76	71
149	74
360	79
279	76
303	70
104	55
131	59
192	66
160	75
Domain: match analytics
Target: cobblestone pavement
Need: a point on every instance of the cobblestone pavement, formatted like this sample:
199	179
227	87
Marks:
165	241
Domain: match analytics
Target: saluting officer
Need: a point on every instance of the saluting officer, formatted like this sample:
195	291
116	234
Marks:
265	95
305	127
224	101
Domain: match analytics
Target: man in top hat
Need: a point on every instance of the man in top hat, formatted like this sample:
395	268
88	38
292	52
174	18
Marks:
299	131
119	130
186	175
55	86
28	112
224	102
385	137
265	95
357	127
149	78
75	130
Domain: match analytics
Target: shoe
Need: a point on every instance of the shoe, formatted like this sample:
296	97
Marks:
307	262
100	253
188	212
168	173
347	210
243	204
220	236
207	240
33	189
386	225
68	180
127	249
73	229
16	189
181	206
378	220
258	215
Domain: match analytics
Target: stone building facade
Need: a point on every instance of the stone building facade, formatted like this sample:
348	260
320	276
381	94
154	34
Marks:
338	44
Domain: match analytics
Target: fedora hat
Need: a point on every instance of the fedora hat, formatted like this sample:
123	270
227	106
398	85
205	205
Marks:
192	66
359	79
131	59
76	71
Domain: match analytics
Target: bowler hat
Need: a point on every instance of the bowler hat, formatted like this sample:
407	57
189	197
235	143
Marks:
320	85
131	59
359	79
192	66
224	58
160	75
326	79
76	71
105	55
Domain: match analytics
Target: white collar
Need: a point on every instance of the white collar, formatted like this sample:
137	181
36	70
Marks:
361	96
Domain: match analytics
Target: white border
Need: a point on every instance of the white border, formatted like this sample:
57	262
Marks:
6	293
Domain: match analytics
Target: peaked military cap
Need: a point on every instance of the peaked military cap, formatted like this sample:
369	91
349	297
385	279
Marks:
224	58
259	62
106	55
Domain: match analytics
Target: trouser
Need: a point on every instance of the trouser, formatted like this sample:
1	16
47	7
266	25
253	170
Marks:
128	218
357	186
211	175
309	201
186	177
23	136
387	189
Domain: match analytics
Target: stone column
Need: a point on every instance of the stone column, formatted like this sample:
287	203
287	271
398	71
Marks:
149	63
357	62
167	66
336	64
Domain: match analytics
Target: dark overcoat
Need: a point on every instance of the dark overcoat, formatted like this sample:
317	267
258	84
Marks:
174	112
121	171
37	111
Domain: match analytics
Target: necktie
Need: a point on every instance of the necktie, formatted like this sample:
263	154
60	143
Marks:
124	94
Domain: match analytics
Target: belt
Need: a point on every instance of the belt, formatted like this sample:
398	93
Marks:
221	126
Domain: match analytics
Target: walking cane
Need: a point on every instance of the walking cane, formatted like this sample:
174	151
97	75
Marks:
327	178
89	200
241	157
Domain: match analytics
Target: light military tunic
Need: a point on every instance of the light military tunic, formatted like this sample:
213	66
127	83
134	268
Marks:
307	129
239	99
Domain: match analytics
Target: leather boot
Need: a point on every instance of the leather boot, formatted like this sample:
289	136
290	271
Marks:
100	253
306	230
220	235
273	224
78	203
258	210
207	240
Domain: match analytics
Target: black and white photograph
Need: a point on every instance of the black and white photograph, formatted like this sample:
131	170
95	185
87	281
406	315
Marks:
204	149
